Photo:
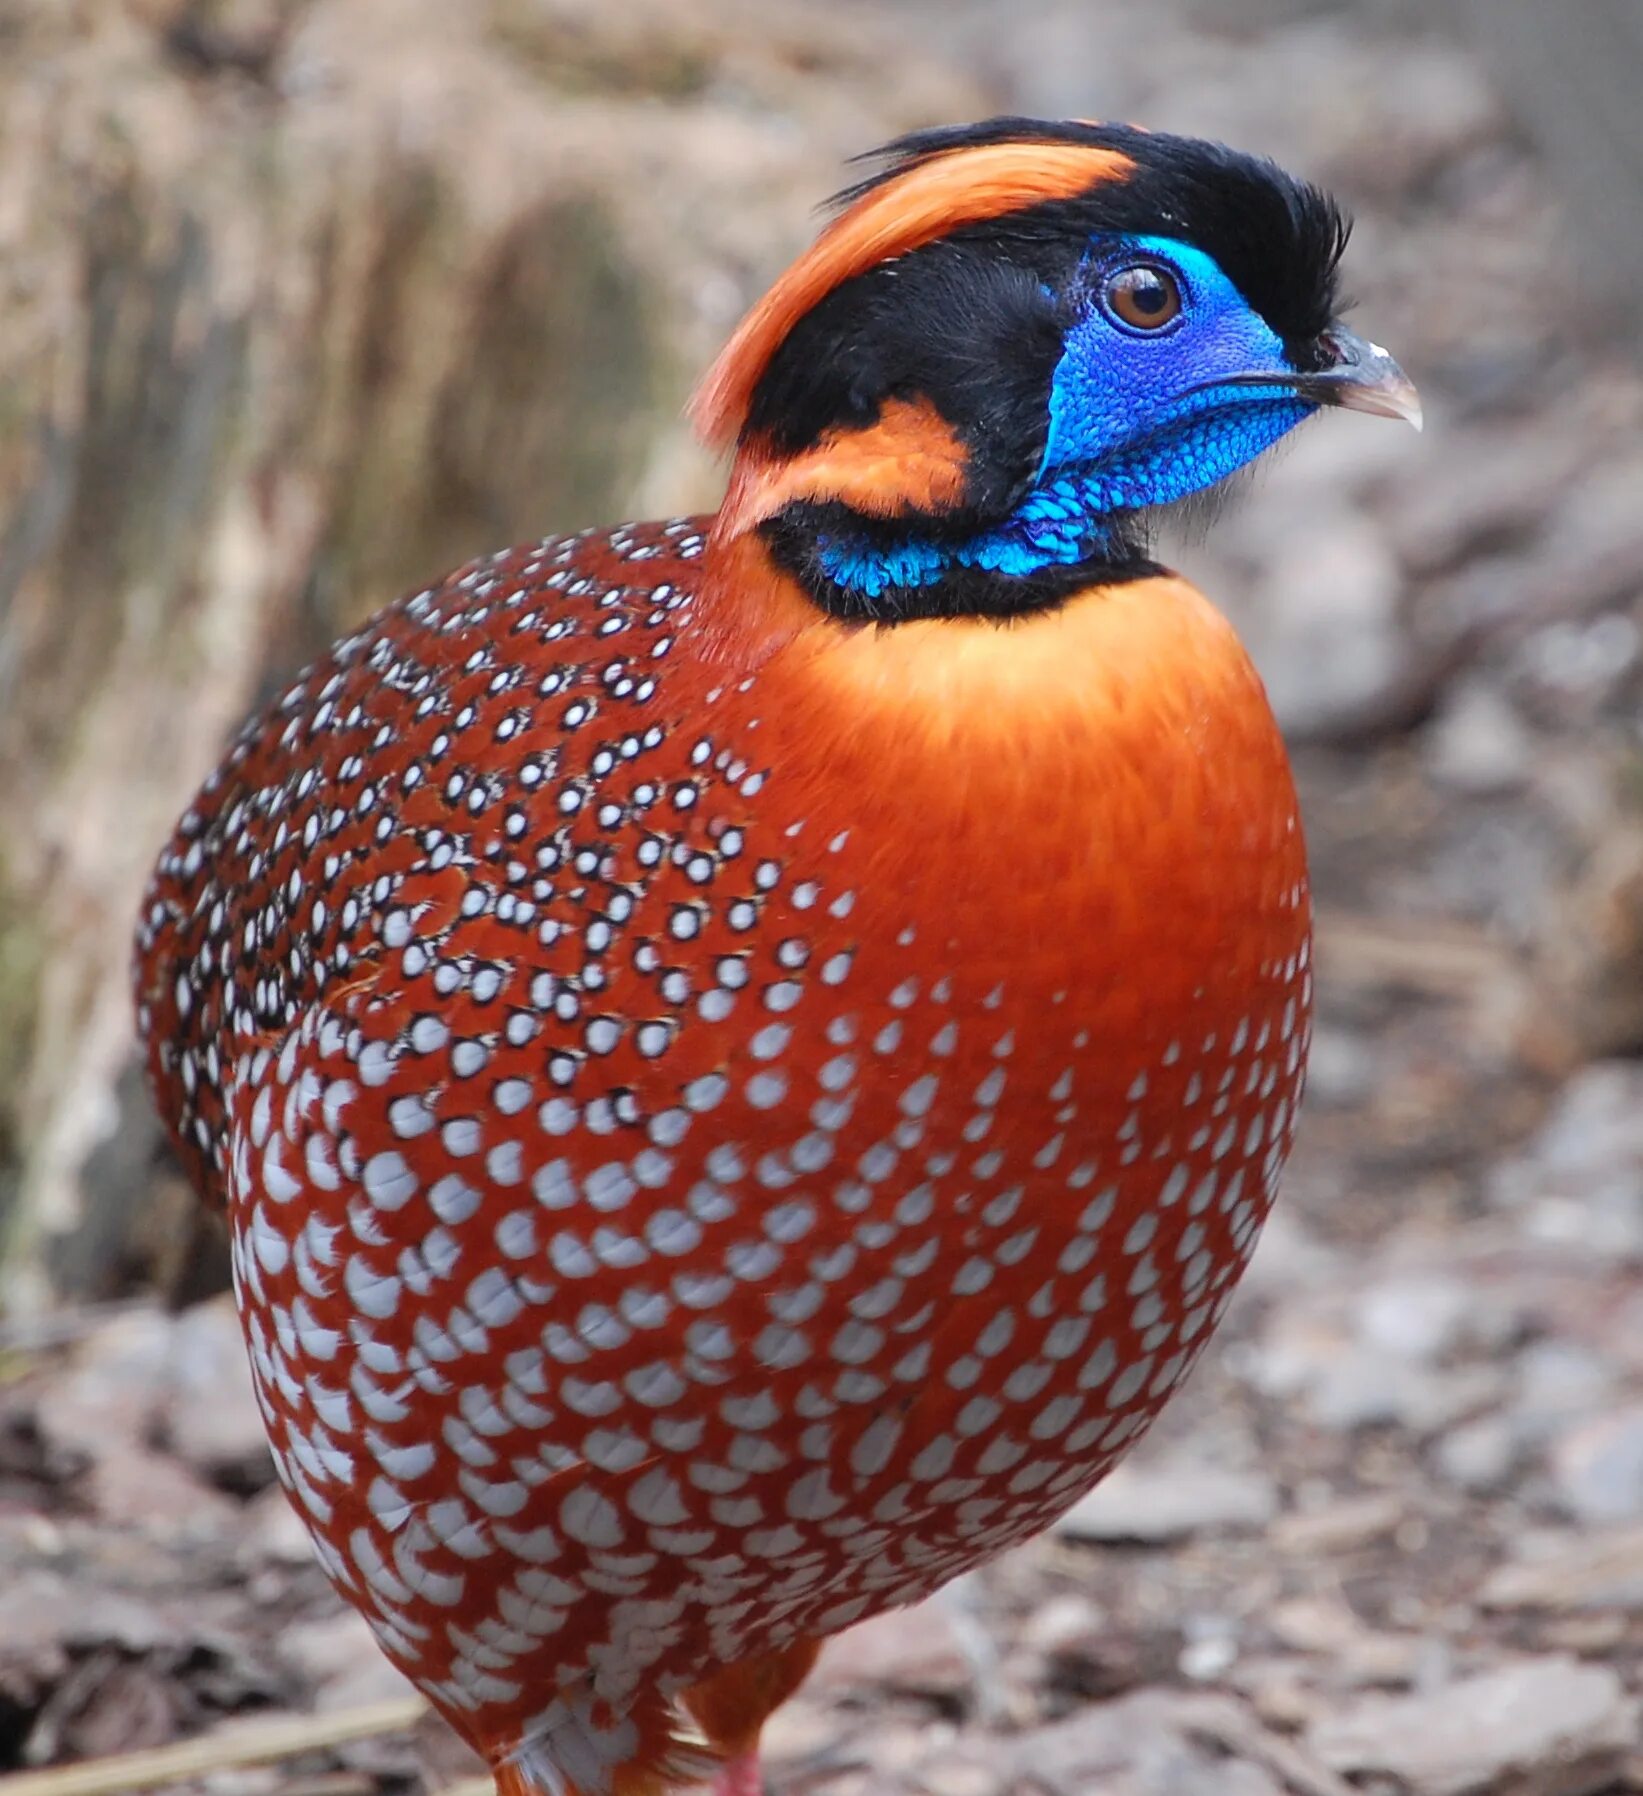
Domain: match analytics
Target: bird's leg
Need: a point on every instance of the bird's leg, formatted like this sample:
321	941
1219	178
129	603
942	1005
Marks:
740	1776
732	1705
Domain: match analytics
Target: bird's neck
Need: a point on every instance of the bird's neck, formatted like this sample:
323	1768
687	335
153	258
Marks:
1067	534
762	588
889	560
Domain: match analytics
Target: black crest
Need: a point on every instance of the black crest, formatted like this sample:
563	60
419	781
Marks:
1277	239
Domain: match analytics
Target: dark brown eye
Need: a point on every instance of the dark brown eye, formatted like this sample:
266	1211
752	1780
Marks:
1145	297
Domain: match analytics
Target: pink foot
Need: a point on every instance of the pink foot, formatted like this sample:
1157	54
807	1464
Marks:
740	1777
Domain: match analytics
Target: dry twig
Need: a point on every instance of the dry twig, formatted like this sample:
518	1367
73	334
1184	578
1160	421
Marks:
228	1748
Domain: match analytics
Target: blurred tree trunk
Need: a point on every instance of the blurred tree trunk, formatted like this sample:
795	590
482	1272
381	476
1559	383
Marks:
301	302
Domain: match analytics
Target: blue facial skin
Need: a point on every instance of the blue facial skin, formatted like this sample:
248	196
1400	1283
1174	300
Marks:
1136	420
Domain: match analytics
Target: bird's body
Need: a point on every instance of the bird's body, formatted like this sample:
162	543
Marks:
728	1115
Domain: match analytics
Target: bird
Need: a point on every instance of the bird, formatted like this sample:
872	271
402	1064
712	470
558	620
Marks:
743	1056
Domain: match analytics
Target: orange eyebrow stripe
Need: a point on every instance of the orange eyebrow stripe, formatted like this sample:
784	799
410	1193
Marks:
958	187
909	459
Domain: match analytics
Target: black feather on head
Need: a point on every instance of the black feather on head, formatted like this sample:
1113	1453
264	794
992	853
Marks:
973	319
1279	240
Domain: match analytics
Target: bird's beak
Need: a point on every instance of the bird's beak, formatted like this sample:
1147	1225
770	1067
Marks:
1362	377
1359	376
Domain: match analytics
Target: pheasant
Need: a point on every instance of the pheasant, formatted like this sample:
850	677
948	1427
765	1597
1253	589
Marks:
743	1057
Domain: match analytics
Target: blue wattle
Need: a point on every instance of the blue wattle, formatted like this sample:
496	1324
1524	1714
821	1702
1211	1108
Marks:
1072	516
1136	419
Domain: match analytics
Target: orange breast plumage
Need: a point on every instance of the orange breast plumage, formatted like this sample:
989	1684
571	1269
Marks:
716	1145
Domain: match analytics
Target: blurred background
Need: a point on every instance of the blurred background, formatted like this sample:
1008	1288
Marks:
303	301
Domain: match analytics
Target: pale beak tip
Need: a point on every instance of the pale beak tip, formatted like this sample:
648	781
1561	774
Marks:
1402	401
1363	377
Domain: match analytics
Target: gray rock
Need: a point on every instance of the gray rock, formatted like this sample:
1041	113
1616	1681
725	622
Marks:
1597	1467
1159	1503
1557	1381
1420	1317
1346	1385
110	1393
1538	1726
1479	1455
1341	1069
1477	743
339	1657
1581	1180
40	1609
210	1417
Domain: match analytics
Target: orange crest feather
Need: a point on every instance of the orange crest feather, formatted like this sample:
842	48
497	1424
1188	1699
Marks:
935	196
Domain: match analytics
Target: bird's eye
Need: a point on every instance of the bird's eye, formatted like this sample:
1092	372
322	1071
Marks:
1144	297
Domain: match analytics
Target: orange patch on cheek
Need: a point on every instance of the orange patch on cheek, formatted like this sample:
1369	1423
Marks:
909	460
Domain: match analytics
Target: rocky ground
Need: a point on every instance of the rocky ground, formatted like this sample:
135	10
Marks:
1390	1538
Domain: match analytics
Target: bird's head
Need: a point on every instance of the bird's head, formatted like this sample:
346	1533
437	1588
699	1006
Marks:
1013	344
